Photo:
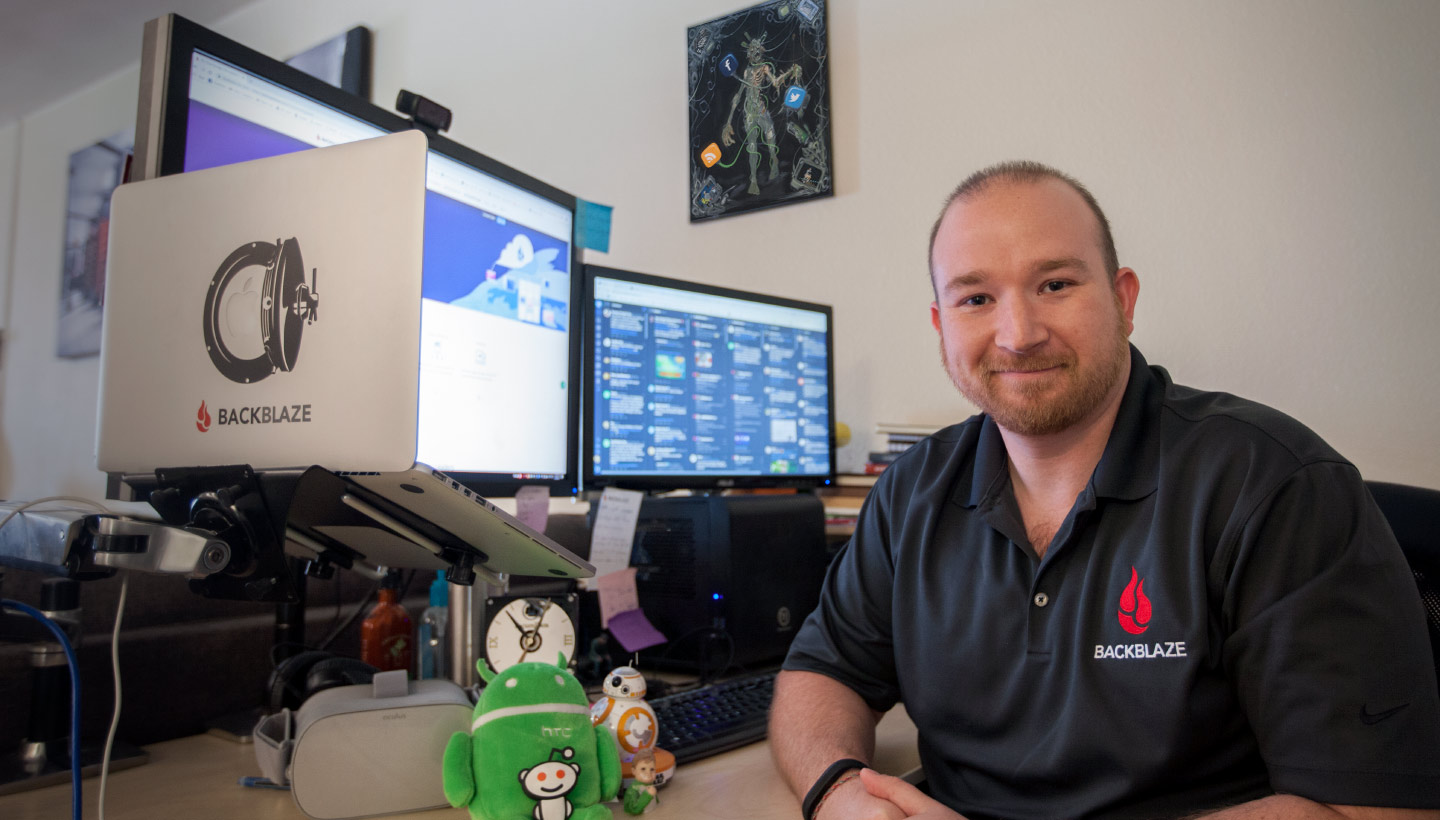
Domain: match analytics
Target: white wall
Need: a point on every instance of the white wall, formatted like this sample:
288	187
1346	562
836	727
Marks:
48	415
9	169
1268	168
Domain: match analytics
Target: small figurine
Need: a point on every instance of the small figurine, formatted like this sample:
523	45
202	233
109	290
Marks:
641	792
624	711
532	751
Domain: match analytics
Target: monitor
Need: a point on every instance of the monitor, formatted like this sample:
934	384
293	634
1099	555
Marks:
696	386
499	350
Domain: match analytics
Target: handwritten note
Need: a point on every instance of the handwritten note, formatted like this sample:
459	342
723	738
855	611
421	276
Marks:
614	532
617	594
532	506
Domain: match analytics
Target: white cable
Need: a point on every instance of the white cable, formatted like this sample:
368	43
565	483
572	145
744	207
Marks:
115	667
71	498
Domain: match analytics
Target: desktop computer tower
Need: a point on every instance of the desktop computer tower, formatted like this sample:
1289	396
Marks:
728	579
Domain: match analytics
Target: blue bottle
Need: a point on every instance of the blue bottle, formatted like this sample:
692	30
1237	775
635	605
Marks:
432	644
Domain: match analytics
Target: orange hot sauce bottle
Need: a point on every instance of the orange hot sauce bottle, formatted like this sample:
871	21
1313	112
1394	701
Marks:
387	637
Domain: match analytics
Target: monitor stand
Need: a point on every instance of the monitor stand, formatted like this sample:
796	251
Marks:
289	641
45	760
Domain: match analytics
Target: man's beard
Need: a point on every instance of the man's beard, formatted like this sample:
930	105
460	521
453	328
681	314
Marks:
1026	409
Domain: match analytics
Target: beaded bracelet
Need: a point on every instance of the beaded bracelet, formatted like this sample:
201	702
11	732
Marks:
854	773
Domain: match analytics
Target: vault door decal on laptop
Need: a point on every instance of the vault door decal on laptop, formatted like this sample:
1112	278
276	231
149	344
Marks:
252	328
212	282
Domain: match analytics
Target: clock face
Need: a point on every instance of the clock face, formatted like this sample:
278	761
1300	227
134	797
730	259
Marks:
528	629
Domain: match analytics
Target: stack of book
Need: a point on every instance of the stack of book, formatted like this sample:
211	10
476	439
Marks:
893	440
843	501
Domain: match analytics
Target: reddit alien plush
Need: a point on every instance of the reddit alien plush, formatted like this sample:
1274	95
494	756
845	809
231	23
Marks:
531	753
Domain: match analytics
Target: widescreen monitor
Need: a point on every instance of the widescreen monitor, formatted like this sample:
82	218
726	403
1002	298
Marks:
695	386
499	335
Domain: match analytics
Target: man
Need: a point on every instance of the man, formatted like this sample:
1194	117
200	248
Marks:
1106	595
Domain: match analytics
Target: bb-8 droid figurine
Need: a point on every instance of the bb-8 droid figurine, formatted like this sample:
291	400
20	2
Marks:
624	711
632	722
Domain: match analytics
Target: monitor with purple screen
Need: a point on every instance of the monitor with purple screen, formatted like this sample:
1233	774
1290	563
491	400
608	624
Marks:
498	358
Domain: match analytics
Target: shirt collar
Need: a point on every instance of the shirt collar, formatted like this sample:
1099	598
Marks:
1128	467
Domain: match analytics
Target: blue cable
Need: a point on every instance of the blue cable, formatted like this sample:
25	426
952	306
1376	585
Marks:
74	694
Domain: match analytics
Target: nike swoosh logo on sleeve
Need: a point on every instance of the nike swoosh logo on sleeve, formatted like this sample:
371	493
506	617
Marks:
1370	718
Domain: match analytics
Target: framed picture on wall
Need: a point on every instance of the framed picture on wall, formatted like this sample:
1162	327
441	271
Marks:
342	61
94	173
759	109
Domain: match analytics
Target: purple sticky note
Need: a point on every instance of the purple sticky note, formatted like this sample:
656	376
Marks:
634	631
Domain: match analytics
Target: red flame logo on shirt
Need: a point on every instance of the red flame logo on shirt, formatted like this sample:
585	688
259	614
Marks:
1134	606
202	418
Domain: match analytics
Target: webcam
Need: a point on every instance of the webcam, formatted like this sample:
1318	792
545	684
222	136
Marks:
423	111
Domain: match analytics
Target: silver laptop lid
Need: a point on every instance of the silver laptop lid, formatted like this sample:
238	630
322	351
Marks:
267	313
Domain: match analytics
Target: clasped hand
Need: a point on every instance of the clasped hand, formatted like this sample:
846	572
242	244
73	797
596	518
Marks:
878	796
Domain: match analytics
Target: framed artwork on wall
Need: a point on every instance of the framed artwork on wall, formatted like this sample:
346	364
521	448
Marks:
759	109
342	61
94	173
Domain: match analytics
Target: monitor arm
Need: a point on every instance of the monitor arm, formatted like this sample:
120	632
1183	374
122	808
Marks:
235	533
237	509
221	527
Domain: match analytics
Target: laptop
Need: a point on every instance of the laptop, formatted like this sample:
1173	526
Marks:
268	314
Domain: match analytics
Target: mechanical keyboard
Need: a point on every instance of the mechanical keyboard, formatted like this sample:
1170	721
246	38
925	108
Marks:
714	718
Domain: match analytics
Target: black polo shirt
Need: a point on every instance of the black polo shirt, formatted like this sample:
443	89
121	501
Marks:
1224	614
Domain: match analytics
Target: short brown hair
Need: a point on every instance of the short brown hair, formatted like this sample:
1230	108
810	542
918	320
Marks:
1026	171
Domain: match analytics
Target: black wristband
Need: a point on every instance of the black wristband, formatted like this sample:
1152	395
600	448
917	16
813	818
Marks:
817	791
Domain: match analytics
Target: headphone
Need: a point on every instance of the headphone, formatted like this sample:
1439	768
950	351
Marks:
287	304
298	677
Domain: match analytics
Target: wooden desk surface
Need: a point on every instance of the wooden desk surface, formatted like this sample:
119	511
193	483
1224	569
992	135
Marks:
196	777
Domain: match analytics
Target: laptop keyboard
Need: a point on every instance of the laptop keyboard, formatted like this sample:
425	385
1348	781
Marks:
714	718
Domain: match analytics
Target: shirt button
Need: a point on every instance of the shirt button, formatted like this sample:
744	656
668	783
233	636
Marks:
1041	599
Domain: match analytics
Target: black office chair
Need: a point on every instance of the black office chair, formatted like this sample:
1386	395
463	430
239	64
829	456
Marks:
1414	516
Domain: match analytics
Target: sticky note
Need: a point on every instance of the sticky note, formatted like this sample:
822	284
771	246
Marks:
532	506
617	594
634	631
592	225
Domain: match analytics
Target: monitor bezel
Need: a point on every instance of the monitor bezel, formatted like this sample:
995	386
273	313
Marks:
651	482
161	130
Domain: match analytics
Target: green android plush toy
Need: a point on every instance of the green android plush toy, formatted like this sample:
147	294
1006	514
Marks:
531	753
